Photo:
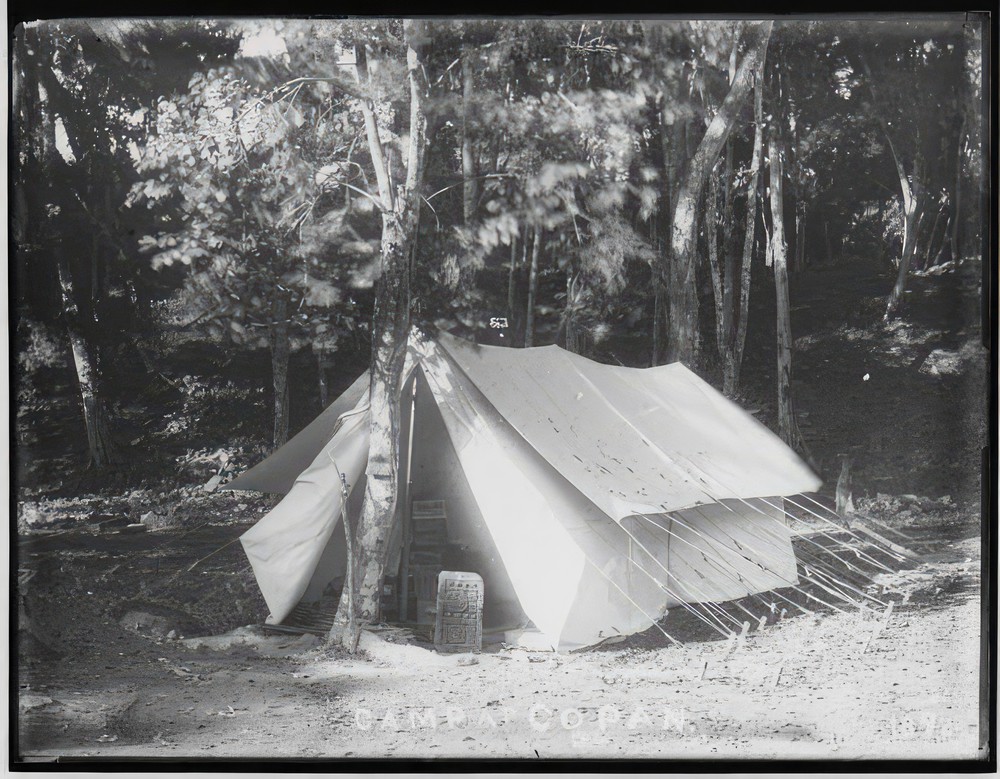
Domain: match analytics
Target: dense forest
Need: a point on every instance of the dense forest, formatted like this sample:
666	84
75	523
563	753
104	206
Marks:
218	225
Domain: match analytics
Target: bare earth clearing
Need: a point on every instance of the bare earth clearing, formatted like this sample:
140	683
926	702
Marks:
805	687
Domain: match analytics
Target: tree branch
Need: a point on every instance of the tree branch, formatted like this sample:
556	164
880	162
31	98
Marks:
378	203
474	178
375	149
904	182
353	90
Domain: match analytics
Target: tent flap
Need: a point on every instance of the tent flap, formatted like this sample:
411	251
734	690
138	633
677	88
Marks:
286	545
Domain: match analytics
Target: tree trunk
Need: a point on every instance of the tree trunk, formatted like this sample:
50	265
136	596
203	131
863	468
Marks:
572	340
912	197
715	267
938	257
924	258
321	366
786	419
529	327
512	280
793	259
278	337
390	331
800	235
728	251
670	136
911	222
390	335
682	343
520	282
101	448
974	172
844	497
657	319
956	233
470	190
733	361
956	199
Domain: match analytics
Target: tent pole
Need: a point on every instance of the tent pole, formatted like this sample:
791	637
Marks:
404	585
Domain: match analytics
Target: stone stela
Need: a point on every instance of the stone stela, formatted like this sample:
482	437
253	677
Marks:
458	625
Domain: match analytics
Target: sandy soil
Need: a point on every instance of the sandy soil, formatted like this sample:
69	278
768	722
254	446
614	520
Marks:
833	685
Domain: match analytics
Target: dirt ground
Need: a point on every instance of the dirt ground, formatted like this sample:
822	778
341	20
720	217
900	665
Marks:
835	684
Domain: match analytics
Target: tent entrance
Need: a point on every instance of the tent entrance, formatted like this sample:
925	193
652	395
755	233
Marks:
443	528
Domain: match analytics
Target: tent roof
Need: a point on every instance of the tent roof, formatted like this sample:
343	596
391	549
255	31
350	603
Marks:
279	471
633	440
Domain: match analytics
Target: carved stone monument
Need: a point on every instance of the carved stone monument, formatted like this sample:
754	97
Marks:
458	626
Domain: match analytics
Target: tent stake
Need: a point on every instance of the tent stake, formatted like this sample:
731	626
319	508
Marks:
879	626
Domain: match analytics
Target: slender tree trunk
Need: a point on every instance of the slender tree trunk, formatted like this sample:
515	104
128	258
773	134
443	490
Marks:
280	347
670	138
956	232
529	327
912	197
95	275
911	222
952	231
793	262
844	497
390	336
924	258
520	283
787	428
322	363
657	319
470	190
733	366
938	257
728	251
715	267
972	171
512	280
572	340
683	336
101	448
800	235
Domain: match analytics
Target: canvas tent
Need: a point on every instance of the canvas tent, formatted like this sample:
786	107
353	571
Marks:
591	498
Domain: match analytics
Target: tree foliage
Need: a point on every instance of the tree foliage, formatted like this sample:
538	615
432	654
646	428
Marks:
302	185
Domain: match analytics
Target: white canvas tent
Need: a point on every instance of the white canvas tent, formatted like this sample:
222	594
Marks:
591	498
